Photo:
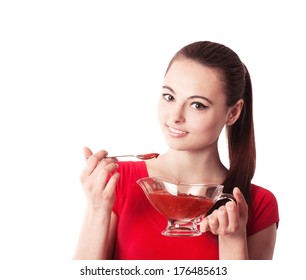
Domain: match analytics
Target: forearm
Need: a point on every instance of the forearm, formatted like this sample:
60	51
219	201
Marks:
93	239
233	248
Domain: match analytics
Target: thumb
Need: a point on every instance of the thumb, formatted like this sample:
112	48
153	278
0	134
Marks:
204	225
87	152
238	195
241	202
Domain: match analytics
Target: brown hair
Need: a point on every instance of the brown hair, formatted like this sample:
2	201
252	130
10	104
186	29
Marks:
237	85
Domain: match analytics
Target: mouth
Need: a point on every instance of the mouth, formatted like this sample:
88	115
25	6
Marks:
176	132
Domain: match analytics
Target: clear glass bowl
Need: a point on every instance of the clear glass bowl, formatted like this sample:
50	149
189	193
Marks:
182	204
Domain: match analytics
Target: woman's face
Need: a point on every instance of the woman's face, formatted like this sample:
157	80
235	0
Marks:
192	109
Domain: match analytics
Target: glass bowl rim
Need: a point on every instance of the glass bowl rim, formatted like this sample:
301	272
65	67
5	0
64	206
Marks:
177	183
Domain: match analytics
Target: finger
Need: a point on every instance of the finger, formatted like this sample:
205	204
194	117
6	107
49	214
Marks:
87	152
204	226
108	160
111	185
233	216
102	164
111	167
92	163
99	155
238	195
104	175
223	220
213	222
241	203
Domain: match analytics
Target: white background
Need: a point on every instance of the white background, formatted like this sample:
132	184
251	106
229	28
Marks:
89	73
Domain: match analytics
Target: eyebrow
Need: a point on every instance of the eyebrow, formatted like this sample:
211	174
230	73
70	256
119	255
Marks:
190	97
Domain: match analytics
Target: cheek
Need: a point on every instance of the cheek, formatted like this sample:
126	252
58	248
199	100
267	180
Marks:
211	126
160	112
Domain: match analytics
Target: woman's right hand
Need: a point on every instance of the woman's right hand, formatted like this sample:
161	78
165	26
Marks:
98	182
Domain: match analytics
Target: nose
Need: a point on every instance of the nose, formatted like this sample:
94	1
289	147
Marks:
177	114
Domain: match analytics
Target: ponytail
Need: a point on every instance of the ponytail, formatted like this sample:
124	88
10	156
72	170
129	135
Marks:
241	145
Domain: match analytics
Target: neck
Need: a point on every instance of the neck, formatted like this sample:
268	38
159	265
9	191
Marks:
193	166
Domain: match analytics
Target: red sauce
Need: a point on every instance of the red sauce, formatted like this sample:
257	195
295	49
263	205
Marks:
179	207
148	156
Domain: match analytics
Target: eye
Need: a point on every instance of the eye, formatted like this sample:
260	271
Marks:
168	97
198	106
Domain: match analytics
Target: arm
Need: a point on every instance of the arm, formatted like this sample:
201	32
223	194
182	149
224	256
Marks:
99	223
261	244
94	241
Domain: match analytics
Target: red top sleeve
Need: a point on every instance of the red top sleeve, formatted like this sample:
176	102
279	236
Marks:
263	210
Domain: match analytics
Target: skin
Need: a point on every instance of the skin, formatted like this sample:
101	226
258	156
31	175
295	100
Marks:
192	112
94	240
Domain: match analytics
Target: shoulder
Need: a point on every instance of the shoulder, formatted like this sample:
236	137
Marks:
261	195
263	209
260	191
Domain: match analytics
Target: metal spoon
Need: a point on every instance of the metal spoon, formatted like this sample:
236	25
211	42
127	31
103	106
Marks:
141	156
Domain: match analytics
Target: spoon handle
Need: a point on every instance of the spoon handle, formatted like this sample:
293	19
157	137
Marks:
121	156
142	156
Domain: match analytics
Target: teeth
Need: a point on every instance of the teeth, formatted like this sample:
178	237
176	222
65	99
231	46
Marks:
176	131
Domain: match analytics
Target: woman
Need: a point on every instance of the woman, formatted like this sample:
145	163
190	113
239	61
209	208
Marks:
206	87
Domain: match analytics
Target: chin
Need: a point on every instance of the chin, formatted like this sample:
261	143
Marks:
179	146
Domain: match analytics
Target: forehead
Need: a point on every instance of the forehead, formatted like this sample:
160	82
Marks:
189	76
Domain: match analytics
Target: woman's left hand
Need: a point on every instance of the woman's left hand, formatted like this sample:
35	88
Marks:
230	219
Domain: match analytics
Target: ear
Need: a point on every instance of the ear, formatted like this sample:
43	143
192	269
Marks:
234	112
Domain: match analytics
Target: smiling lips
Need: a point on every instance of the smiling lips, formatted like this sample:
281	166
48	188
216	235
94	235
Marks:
176	132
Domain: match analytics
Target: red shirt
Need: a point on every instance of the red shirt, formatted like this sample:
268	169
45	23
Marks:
140	225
